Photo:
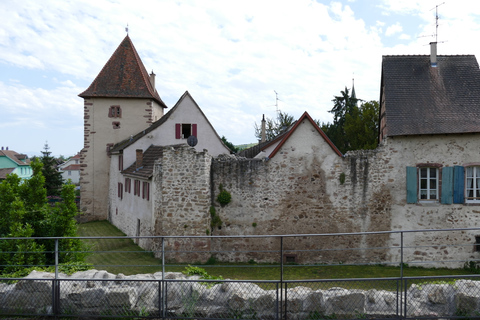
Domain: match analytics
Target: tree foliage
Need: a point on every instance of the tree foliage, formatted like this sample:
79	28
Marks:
274	127
53	178
24	212
353	127
230	145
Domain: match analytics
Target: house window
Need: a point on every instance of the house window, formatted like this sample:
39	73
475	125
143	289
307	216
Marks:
136	188
185	130
69	173
116	124
128	185
146	191
428	183
120	190
472	184
120	162
115	112
477	243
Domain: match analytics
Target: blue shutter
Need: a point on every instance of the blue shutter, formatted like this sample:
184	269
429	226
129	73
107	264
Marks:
411	185
458	184
447	185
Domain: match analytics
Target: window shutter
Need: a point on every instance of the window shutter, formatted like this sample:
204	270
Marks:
447	185
178	130
194	130
411	185
458	184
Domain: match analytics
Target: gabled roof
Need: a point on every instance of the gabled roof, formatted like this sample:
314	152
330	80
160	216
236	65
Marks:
420	99
123	76
5	172
149	157
16	157
71	167
283	137
125	143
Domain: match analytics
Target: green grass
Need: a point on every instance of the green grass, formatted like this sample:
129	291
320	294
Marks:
124	256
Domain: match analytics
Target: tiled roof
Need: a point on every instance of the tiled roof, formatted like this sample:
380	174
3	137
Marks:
123	76
283	137
16	157
149	157
5	172
71	167
420	99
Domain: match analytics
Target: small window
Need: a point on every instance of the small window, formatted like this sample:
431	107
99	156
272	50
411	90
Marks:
116	124
120	162
146	191
185	130
128	185
69	173
120	190
428	183
472	184
477	243
115	112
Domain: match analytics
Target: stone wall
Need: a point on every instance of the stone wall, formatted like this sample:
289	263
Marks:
182	199
99	293
308	189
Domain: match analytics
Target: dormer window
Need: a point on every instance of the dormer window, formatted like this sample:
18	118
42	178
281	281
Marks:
185	130
115	112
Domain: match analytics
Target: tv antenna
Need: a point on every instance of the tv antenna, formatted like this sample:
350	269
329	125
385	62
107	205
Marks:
436	19
276	100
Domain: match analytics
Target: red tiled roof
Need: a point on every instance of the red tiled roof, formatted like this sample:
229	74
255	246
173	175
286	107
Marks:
123	76
289	133
71	167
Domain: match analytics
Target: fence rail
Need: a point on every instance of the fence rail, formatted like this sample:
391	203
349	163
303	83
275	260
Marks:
172	295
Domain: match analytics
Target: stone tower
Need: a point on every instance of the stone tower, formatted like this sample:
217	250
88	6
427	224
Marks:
120	102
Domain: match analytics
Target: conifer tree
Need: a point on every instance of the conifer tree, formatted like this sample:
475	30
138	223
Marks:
53	178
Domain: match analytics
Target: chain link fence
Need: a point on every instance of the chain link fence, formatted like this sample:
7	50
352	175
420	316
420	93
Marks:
169	294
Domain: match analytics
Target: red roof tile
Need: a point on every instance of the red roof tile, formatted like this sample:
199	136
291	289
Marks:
123	76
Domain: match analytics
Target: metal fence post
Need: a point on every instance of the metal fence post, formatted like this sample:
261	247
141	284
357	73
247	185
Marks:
56	286
164	288
281	278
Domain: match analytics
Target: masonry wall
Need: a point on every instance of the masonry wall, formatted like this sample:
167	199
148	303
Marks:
182	201
307	189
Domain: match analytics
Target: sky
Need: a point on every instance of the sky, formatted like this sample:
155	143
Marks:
234	57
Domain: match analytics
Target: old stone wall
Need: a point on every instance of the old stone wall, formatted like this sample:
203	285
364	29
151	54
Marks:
182	199
312	190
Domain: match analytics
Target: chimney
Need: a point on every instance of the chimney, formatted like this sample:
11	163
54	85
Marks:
139	162
263	134
433	54
152	79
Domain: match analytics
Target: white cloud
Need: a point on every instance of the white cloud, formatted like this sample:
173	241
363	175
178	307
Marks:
393	29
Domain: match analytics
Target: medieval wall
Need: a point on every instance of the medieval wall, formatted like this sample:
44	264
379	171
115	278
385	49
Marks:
308	189
182	200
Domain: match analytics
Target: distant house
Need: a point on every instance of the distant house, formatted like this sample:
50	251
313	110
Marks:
70	169
14	162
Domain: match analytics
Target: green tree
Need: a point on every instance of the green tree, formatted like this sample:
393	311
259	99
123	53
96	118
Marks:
24	212
274	127
53	178
353	127
361	127
230	145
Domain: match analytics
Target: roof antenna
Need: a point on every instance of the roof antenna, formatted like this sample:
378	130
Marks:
126	29
276	100
436	20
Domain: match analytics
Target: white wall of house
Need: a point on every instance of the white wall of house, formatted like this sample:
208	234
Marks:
187	112
131	213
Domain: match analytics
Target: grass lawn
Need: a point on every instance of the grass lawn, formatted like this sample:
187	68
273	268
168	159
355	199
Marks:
124	256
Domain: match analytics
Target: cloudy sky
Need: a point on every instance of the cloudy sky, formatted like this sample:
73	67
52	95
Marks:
230	55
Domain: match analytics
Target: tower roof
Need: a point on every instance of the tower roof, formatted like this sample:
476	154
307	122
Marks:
123	76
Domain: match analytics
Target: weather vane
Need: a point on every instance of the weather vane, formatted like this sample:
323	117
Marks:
126	29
